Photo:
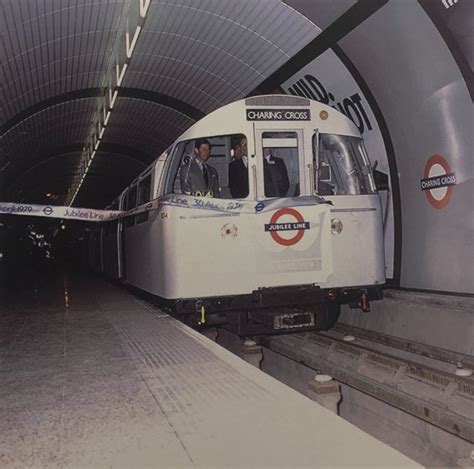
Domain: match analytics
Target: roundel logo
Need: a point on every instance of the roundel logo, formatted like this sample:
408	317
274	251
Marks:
438	181
293	222
48	210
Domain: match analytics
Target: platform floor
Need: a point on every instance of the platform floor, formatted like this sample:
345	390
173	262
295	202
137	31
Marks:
92	376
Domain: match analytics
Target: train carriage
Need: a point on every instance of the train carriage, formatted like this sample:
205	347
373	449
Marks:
267	262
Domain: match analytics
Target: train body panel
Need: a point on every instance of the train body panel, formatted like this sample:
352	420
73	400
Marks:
359	247
244	256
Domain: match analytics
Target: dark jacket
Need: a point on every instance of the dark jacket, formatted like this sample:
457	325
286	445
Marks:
238	179
193	183
276	177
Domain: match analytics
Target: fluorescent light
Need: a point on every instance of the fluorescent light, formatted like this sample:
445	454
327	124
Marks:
121	74
130	47
107	117
113	98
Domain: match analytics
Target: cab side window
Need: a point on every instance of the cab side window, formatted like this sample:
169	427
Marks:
182	154
204	167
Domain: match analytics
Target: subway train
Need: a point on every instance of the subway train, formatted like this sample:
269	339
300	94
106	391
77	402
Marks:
277	246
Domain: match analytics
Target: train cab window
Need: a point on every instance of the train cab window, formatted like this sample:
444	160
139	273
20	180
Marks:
281	164
213	166
131	202
343	166
144	195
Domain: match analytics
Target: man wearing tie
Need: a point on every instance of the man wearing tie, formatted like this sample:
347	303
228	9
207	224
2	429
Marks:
196	176
238	172
275	175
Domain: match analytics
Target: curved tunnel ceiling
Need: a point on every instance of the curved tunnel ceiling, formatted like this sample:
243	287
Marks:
192	57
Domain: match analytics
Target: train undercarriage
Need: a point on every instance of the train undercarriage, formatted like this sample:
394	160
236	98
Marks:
273	310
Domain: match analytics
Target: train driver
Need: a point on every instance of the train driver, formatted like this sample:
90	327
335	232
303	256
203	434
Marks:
238	173
196	176
275	175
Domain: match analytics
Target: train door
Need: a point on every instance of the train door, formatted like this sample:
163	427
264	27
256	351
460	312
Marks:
293	231
280	158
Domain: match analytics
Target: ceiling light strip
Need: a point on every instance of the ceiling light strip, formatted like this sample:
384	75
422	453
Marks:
123	49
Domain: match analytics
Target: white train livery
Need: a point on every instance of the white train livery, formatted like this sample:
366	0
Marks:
278	245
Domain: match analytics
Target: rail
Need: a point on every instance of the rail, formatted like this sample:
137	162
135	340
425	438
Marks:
436	396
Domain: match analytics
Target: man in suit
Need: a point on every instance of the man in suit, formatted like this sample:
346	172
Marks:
275	175
196	176
238	172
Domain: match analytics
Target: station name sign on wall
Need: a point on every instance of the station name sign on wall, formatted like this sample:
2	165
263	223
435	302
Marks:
438	181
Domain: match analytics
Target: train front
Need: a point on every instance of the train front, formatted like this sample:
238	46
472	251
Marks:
305	237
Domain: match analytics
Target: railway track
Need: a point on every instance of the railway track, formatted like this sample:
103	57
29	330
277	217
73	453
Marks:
418	379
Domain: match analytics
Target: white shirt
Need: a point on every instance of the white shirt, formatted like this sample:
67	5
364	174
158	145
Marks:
245	160
268	159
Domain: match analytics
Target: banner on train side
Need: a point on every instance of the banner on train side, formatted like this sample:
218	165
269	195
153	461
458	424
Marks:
177	200
51	211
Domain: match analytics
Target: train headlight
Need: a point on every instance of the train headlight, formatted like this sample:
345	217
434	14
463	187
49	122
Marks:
336	226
